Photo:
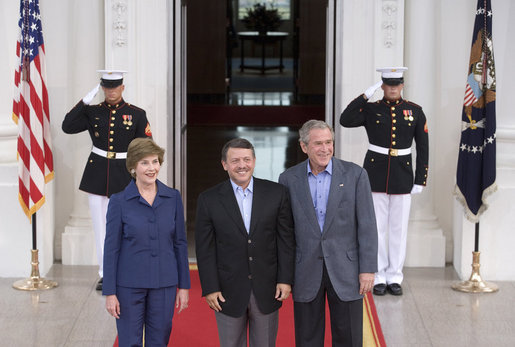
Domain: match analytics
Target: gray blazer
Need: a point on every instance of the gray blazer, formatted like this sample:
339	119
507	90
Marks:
348	243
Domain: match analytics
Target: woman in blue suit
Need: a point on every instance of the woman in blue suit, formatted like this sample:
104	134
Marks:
146	269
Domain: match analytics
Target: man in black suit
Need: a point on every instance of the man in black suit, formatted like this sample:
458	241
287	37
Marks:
245	249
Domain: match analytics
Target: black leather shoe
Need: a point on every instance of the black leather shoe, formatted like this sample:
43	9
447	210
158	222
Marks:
394	289
380	289
99	284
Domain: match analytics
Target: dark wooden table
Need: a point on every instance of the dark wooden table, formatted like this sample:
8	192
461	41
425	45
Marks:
263	40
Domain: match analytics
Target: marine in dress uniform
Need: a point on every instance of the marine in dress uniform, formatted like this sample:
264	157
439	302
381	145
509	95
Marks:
391	124
112	125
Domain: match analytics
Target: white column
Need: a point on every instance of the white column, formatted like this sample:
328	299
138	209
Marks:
426	242
369	34
85	41
136	40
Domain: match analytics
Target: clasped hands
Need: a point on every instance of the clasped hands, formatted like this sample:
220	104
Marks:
282	292
181	302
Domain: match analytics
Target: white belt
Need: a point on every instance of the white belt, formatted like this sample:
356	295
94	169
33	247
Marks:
108	154
394	152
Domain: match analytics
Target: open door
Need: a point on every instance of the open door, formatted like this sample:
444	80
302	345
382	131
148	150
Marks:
217	97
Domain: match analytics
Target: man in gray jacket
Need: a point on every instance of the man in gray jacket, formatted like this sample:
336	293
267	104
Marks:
336	234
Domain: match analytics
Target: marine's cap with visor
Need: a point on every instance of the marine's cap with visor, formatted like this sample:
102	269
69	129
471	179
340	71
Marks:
392	76
111	78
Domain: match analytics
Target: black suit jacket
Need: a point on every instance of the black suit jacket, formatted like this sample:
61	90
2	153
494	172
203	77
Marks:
234	262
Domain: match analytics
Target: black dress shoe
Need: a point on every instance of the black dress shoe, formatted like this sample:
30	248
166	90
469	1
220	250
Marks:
380	289
394	289
99	284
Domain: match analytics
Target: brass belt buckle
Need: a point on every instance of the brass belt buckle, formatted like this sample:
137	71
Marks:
393	152
111	155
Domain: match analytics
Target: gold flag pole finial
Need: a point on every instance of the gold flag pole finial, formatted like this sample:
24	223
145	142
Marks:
475	284
34	282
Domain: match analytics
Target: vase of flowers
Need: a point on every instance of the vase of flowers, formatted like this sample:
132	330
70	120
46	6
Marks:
262	19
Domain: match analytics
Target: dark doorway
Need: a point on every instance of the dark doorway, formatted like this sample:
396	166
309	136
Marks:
262	87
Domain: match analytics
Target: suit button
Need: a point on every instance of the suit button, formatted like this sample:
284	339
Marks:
250	258
393	143
394	121
111	139
393	135
249	241
394	128
113	111
250	277
111	124
112	118
111	147
154	254
111	132
393	108
393	114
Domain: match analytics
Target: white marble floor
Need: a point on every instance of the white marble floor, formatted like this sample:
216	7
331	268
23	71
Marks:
429	313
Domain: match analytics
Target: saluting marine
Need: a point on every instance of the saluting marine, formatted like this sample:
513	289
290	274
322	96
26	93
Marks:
112	125
391	124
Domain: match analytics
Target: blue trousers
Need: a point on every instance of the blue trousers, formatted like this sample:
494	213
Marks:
149	308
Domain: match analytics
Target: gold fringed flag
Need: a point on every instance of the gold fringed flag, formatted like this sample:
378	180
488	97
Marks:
475	178
30	110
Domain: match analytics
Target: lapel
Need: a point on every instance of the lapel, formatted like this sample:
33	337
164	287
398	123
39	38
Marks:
305	200
335	193
228	201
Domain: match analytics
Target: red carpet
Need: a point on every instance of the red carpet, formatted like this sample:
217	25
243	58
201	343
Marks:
196	326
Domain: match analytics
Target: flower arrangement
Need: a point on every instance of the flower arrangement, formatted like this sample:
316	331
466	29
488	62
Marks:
261	19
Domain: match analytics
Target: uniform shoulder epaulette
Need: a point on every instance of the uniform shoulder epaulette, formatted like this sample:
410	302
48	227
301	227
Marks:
135	107
412	103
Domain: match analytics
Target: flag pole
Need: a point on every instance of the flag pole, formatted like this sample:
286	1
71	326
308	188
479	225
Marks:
34	282
475	284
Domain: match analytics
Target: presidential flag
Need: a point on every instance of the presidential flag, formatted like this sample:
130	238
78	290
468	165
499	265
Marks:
475	179
30	110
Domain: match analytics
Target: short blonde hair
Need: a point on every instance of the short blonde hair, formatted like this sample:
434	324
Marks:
140	148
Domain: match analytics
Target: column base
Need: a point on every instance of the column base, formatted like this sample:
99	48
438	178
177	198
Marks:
78	246
426	244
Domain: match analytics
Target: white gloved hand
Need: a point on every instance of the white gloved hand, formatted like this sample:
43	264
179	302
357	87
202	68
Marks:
89	97
417	188
371	90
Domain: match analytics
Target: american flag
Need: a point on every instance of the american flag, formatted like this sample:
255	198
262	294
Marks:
30	110
475	178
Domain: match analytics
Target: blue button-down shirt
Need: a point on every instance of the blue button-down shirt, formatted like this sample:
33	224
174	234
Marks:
244	199
319	187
